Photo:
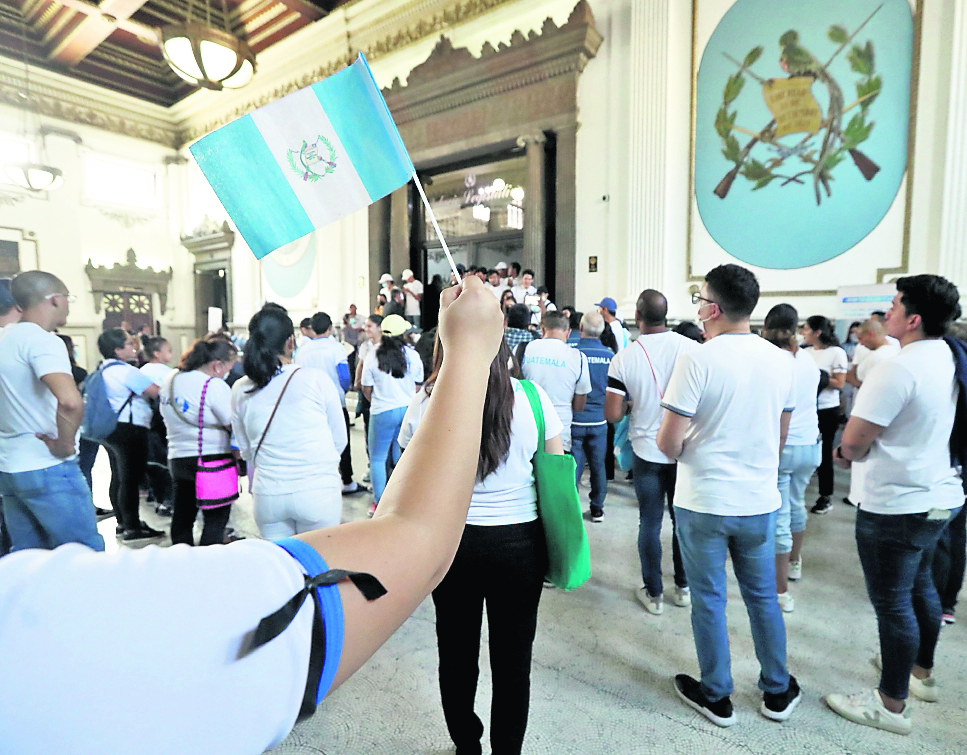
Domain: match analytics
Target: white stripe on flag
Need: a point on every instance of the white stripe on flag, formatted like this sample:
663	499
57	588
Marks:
285	125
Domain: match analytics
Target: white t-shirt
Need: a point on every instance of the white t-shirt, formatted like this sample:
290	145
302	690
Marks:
325	354
860	352
58	606
120	381
157	372
734	388
620	334
413	305
562	372
913	396
508	495
874	357
27	407
644	383
180	398
390	392
833	360
520	292
302	447
497	290
804	423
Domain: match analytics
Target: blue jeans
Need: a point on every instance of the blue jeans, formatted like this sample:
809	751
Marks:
896	553
44	508
384	450
654	484
796	467
591	441
706	540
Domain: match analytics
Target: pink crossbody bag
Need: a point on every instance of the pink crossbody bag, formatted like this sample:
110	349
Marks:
216	480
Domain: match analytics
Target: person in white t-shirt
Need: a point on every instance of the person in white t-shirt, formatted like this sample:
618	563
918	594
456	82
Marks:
608	308
45	500
525	287
213	599
157	351
496	284
557	368
413	290
901	427
128	391
202	371
639	376
325	353
818	332
290	428
800	454
391	375
500	564
728	406
877	346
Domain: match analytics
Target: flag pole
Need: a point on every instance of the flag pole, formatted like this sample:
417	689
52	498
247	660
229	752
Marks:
436	227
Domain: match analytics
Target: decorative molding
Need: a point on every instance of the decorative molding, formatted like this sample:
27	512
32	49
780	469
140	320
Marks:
125	218
211	244
128	277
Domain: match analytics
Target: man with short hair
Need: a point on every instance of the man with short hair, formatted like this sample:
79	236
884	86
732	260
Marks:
325	353
494	283
901	427
589	428
46	501
306	333
609	309
516	332
557	368
639	375
513	273
727	410
413	290
525	287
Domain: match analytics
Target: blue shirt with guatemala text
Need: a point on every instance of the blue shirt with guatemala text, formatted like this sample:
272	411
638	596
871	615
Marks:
599	359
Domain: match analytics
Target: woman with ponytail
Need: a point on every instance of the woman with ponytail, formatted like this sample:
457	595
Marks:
391	375
202	372
289	427
501	561
830	358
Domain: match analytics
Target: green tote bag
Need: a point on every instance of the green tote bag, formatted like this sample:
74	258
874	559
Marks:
559	505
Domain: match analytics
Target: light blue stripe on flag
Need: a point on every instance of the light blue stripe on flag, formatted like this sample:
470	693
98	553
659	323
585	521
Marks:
358	113
251	186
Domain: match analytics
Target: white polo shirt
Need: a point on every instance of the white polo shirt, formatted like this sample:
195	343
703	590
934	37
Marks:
735	389
913	396
562	372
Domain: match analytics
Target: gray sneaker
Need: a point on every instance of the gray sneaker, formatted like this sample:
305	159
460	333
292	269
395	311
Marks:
866	708
652	604
683	597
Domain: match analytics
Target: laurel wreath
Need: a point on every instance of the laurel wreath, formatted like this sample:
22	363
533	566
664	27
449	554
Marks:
312	176
857	130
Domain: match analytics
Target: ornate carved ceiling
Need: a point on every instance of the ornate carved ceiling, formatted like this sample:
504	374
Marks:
114	43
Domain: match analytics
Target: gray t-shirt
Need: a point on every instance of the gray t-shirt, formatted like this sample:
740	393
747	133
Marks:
562	372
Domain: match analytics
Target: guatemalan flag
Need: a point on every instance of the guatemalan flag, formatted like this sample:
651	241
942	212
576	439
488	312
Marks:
306	160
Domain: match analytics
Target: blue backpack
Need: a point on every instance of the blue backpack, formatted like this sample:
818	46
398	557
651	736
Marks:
99	418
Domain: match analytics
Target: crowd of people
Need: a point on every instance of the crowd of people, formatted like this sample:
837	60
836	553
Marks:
721	425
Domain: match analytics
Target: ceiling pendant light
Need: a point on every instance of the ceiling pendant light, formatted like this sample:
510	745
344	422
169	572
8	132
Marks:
205	56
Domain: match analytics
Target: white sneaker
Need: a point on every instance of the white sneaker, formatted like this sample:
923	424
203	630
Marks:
795	569
926	690
786	602
867	708
683	597
653	605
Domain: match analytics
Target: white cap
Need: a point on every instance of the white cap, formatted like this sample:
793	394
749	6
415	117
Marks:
385	278
407	273
500	266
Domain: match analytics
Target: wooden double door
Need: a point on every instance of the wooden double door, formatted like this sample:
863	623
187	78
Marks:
133	307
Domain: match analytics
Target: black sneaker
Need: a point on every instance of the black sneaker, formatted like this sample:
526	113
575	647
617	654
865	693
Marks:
823	505
719	713
779	707
101	514
355	490
143	532
163	509
597	515
848	502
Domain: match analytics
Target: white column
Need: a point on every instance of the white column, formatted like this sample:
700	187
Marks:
953	225
647	154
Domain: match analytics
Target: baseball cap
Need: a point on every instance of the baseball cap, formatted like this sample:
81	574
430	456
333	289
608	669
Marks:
407	273
394	325
500	266
385	277
608	303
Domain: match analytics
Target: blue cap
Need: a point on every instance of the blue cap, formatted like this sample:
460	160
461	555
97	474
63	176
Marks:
608	303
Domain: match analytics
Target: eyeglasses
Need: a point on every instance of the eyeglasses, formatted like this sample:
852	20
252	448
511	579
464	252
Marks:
70	297
696	299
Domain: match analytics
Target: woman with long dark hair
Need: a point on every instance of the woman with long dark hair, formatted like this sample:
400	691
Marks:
500	563
818	332
391	375
198	387
289	427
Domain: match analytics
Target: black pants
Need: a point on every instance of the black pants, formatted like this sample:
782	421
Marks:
949	560
127	450
159	478
186	505
828	425
346	460
609	454
504	567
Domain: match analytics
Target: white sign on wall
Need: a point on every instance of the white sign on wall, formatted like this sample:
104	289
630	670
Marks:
857	302
214	319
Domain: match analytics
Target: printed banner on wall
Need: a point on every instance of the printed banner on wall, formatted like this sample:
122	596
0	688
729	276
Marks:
857	302
801	122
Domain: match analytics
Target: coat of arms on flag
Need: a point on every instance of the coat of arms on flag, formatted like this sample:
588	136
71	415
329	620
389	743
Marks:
309	162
